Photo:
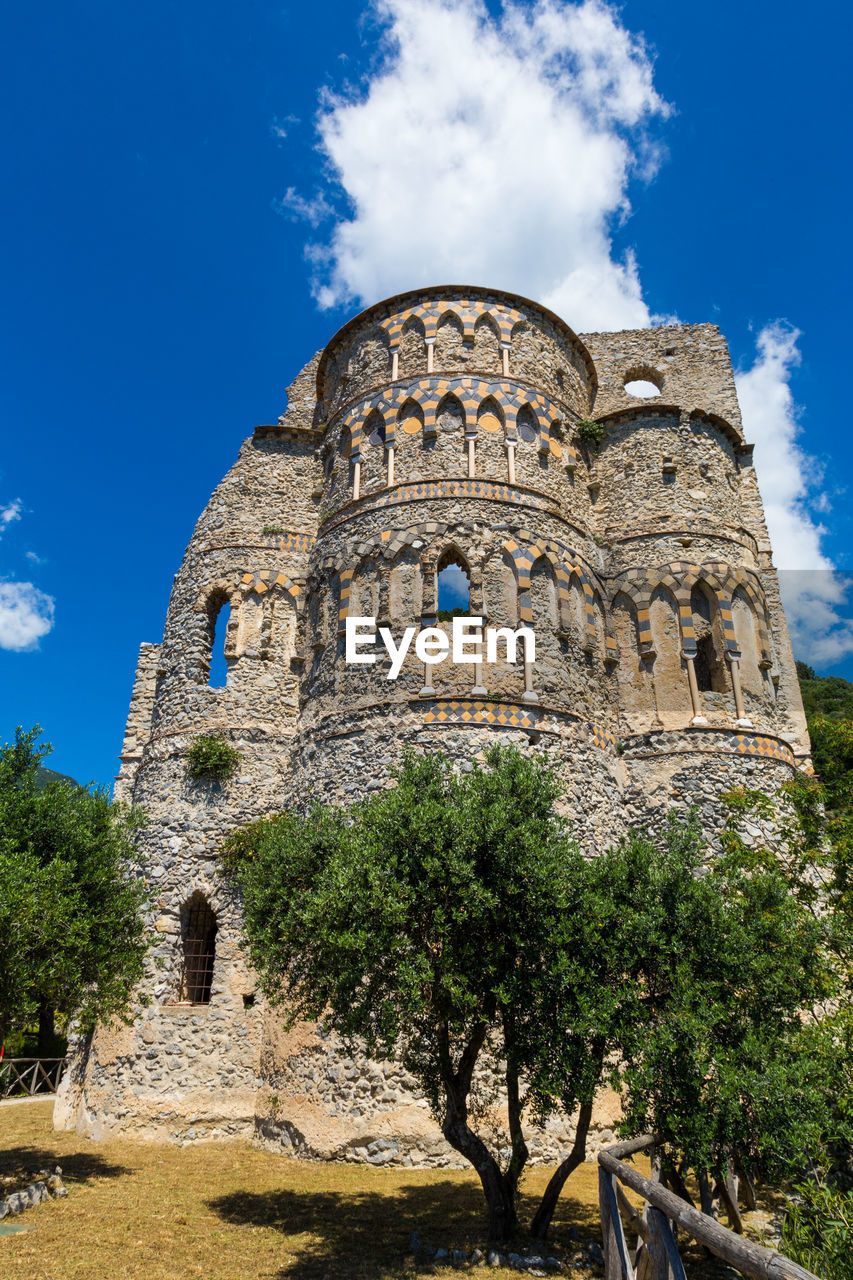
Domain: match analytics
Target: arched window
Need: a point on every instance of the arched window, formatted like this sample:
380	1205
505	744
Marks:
450	415
449	341
410	418
198	938
219	614
527	424
710	674
703	664
490	416
374	428
454	585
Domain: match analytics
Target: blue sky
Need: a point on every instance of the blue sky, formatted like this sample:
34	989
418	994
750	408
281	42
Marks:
162	183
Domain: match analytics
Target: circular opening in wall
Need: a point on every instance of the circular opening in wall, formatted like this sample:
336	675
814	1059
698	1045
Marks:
642	388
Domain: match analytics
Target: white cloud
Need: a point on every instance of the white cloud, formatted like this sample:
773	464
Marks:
26	614
812	591
489	150
9	513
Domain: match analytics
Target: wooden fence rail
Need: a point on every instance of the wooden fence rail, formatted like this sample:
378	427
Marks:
656	1256
30	1075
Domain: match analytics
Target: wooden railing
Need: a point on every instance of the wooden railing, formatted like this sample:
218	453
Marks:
656	1256
30	1075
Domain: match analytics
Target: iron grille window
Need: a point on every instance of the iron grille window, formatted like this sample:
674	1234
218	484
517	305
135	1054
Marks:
198	930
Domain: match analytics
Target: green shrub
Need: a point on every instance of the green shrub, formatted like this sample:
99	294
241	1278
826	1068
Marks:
590	432
212	757
818	1231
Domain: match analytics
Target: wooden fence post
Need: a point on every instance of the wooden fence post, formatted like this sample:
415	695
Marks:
666	1262
617	1265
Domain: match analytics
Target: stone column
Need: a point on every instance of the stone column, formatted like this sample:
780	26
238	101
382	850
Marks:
529	696
429	619
430	346
695	700
742	720
395	365
505	361
479	690
389	459
510	460
356	479
471	441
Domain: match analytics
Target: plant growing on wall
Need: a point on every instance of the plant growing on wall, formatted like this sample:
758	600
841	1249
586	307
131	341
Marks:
591	433
213	758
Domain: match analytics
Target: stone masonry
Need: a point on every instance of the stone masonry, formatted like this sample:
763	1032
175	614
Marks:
451	426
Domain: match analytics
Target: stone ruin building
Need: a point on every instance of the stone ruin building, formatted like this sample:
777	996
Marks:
456	429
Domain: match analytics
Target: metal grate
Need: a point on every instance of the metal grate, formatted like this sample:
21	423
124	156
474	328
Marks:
199	936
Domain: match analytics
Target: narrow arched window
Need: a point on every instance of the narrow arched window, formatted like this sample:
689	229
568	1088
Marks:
526	424
703	664
198	939
219	613
454	586
710	676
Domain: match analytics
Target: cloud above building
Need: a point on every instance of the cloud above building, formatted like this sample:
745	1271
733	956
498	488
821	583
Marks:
487	150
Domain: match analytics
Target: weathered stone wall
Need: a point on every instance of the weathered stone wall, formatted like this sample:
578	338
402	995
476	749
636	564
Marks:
440	424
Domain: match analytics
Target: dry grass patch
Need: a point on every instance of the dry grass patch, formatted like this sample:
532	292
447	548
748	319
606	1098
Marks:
141	1211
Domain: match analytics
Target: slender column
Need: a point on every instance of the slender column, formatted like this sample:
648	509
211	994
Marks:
696	703
428	690
510	460
389	458
505	361
479	690
529	694
430	346
734	668
471	442
395	365
356	479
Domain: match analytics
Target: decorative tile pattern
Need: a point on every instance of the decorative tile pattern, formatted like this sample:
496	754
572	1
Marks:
502	715
266	579
295	542
603	738
512	715
756	745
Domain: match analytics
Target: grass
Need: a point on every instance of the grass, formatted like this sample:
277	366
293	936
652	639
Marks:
232	1211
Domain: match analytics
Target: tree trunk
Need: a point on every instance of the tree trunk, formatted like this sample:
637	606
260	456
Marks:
518	1160
500	1200
46	1035
545	1212
500	1195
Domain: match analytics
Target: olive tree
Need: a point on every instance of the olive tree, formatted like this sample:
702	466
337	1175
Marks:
452	916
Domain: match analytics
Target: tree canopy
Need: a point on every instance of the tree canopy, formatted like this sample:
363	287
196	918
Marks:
71	931
453	916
